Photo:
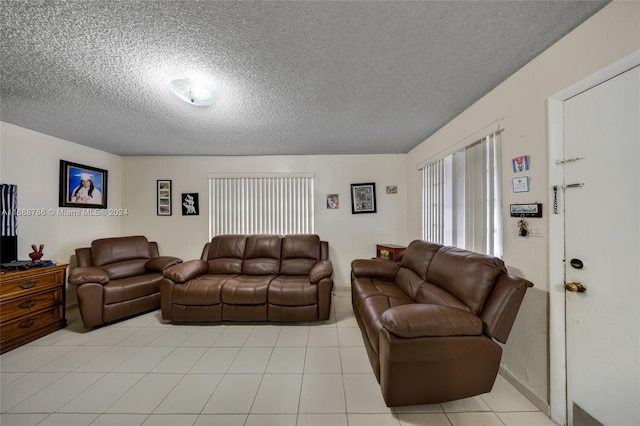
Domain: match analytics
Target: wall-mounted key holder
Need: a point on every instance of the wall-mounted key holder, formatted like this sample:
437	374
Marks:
526	210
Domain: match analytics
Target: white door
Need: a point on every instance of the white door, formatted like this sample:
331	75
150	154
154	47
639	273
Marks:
602	252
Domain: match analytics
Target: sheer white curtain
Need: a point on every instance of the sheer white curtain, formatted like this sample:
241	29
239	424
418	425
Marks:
261	204
461	197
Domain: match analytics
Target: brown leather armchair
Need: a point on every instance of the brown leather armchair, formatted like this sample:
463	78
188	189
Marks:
117	278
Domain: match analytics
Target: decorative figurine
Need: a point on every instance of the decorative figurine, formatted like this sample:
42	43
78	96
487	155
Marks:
37	254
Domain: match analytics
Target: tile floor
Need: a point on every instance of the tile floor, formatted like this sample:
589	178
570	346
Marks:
144	372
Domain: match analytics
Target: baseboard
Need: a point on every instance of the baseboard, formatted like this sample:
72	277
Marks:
541	404
71	306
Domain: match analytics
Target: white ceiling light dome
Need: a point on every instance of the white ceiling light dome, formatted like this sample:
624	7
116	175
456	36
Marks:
192	92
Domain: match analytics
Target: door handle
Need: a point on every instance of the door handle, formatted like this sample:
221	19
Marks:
575	287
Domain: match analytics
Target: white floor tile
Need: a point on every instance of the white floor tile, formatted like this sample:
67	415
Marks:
525	419
233	337
27	385
143	336
346	319
373	420
102	394
322	420
355	360
423	419
170	420
215	361
427	408
350	336
322	393
120	420
263	336
204	336
323	336
467	404
73	359
31	358
21	419
173	336
68	420
363	394
221	420
323	360
110	358
504	397
293	336
144	360
234	394
474	419
190	395
145	395
251	360
287	360
278	393
57	394
181	360
6	378
271	420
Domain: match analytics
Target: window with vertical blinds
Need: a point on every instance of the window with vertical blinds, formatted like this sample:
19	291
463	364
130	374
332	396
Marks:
461	198
261	205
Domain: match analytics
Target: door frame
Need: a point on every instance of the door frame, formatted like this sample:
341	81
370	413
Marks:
557	312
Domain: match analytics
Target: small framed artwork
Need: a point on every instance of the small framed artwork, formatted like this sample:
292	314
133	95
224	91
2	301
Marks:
520	164
164	197
521	184
392	189
82	186
363	198
333	201
190	204
526	210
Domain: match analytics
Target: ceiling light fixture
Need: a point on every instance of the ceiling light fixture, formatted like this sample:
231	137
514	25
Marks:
192	92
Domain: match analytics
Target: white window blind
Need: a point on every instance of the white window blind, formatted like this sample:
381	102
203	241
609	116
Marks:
261	205
461	198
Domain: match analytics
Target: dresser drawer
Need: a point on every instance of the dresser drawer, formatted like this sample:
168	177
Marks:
30	284
30	323
28	304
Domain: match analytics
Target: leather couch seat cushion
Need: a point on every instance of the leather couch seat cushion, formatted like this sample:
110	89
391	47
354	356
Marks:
246	290
421	320
126	268
204	290
292	291
111	250
131	288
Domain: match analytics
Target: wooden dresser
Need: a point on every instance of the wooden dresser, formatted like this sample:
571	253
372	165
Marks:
32	304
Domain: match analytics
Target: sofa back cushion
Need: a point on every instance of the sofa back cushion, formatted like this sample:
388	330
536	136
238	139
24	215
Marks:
299	254
467	275
262	255
414	266
226	254
111	250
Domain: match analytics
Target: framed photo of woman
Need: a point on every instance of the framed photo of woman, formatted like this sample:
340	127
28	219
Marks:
82	186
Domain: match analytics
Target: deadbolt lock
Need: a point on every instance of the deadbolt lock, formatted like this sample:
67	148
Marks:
575	287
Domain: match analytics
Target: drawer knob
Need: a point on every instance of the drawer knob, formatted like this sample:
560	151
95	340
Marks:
28	284
28	323
29	303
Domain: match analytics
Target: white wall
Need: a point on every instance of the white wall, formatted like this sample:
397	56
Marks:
31	160
521	103
350	236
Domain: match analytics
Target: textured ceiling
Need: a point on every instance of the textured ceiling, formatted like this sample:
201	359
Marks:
312	77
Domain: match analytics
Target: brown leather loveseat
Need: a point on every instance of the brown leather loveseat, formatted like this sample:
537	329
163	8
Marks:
117	278
251	278
430	323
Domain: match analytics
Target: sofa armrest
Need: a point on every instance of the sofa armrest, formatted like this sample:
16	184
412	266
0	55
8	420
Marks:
183	272
374	268
88	274
160	263
422	320
320	270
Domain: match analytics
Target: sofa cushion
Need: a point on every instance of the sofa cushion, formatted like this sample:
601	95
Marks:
467	275
433	295
121	290
246	290
421	320
418	256
110	250
292	291
204	290
299	254
126	268
262	255
226	254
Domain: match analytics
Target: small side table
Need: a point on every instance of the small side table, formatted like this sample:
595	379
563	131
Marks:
391	252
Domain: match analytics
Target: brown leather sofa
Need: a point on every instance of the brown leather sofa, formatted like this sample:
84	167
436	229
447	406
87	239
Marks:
430	323
251	278
117	278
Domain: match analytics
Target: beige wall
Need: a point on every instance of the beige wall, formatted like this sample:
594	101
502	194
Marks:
521	104
31	160
350	236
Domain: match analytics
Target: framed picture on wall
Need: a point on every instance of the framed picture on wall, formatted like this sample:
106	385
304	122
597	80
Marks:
164	197
363	198
190	205
82	186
